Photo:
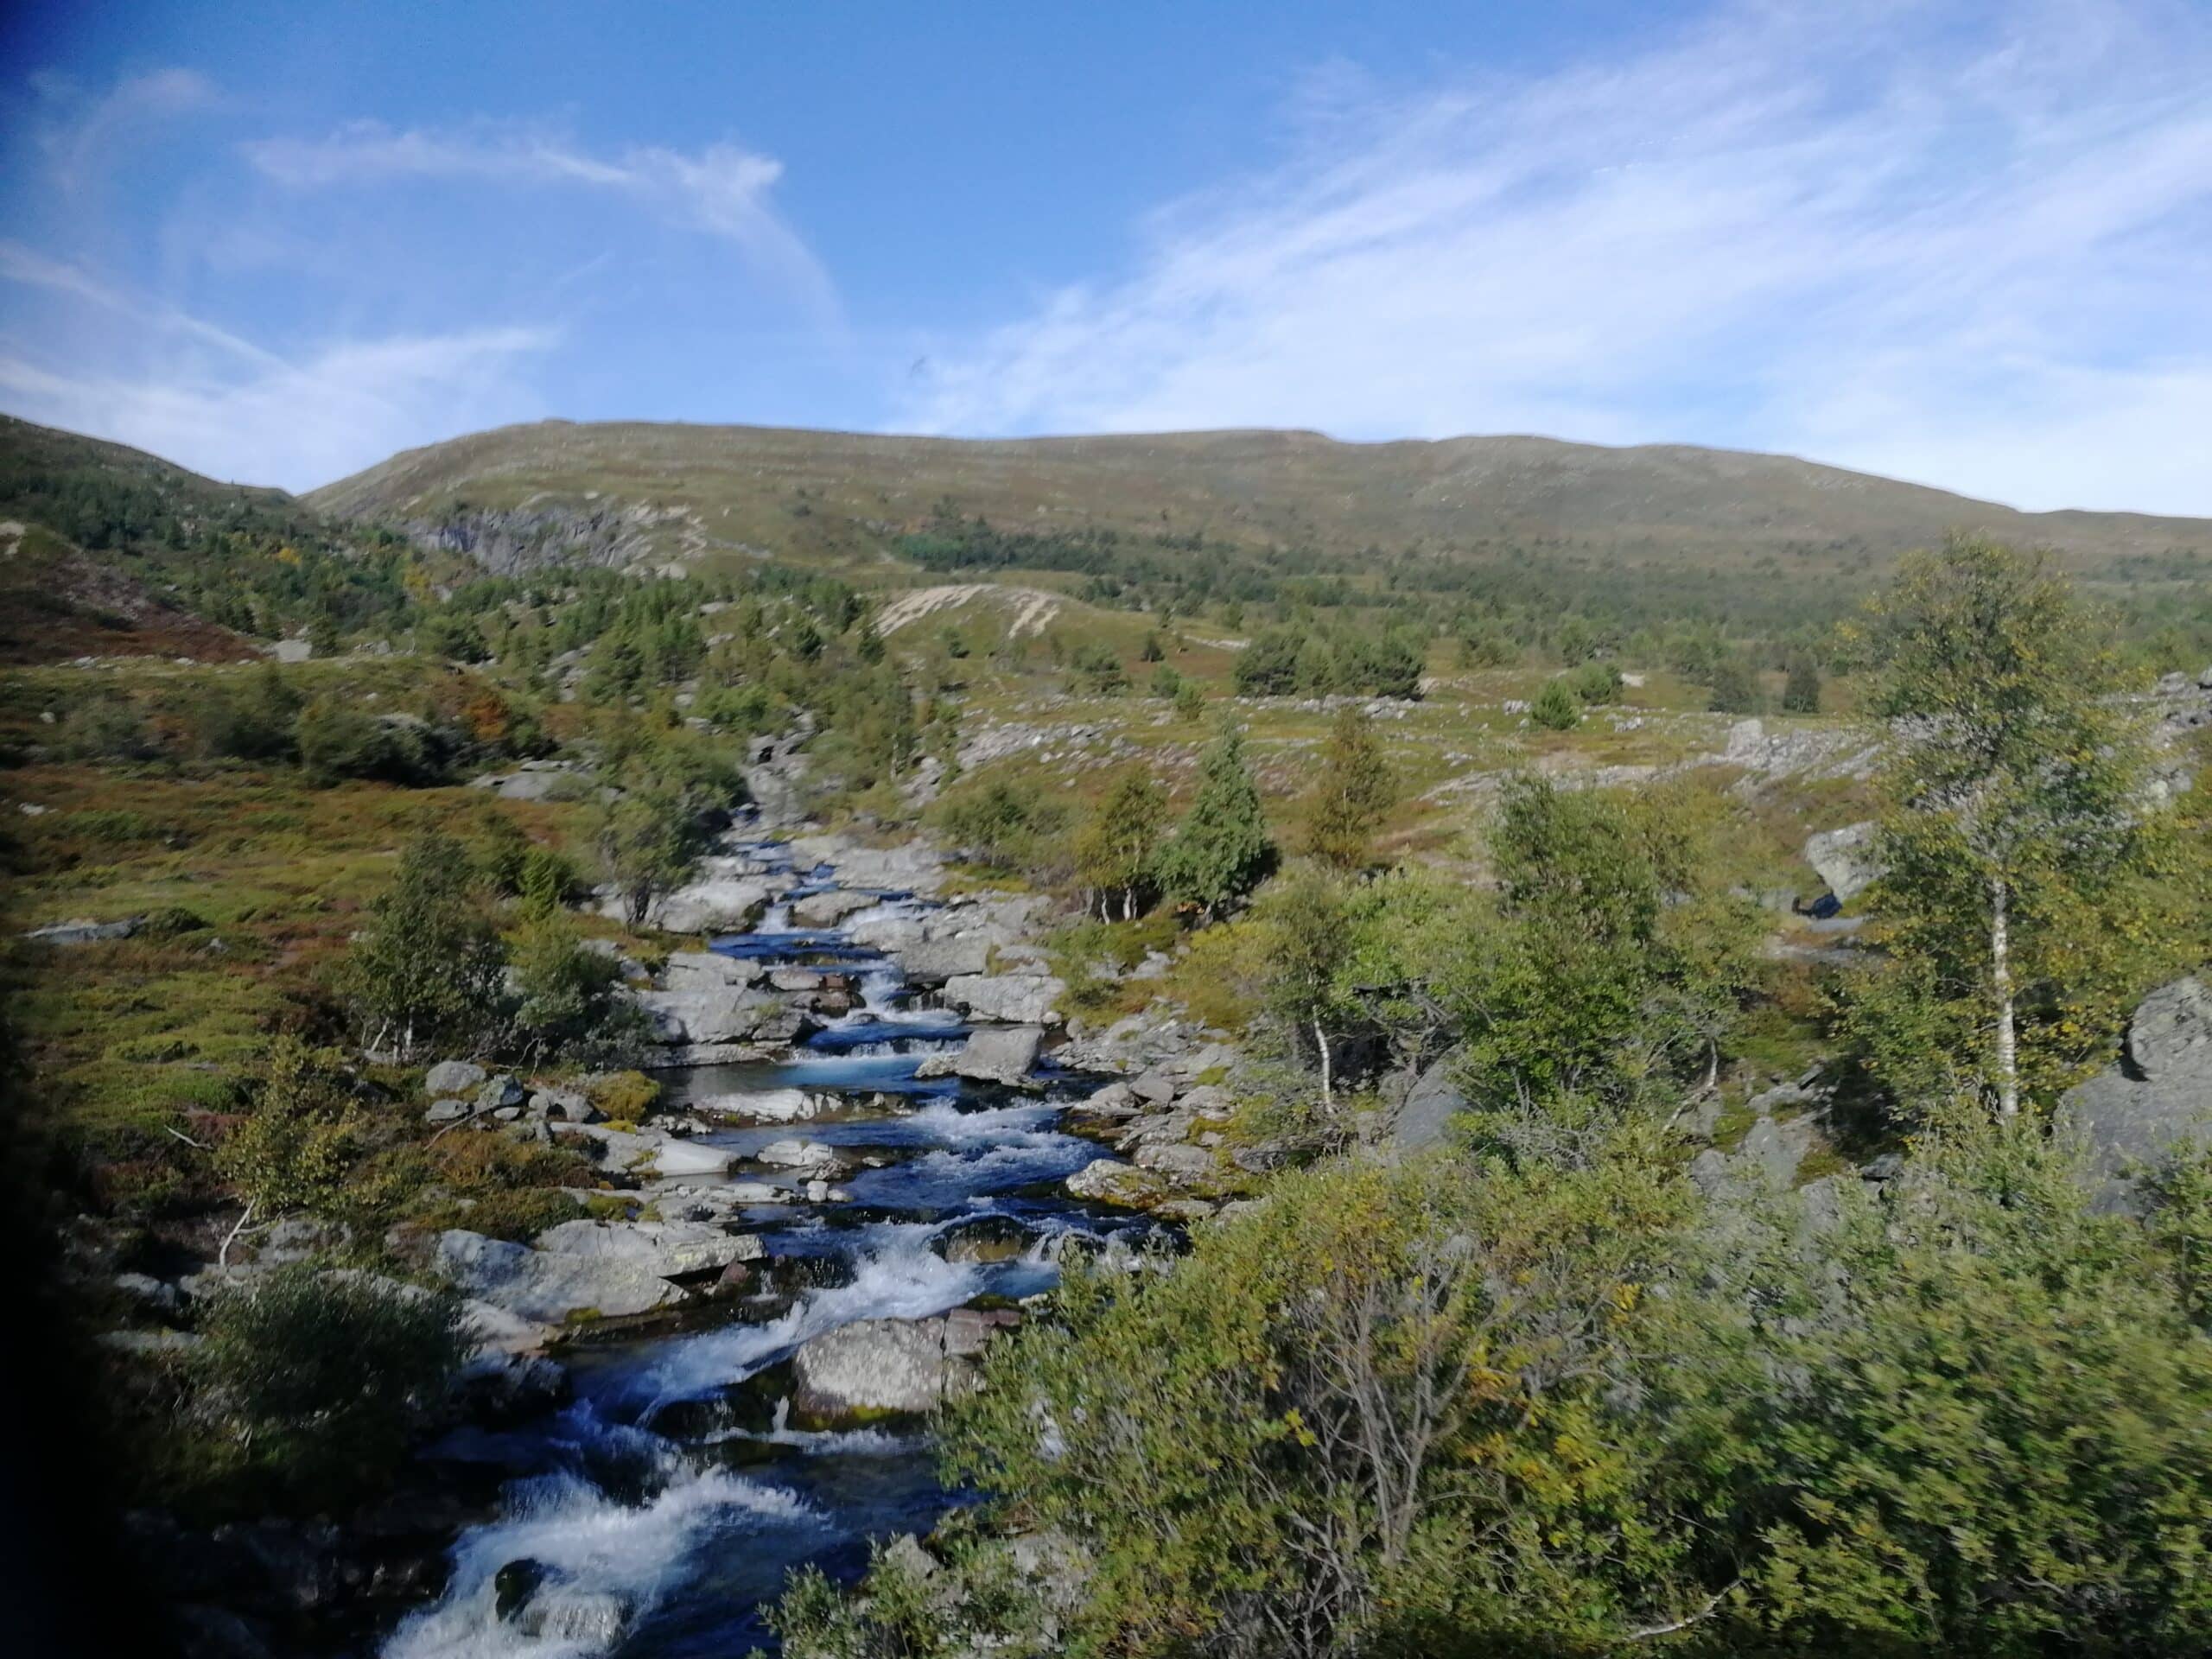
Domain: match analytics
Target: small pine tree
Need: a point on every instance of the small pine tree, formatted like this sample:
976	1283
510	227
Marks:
1221	851
1556	707
1115	849
1189	702
1355	790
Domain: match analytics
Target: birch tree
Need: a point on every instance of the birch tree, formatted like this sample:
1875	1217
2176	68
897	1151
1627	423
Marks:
2014	822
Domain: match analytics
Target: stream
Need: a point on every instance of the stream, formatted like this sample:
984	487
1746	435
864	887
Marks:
660	1516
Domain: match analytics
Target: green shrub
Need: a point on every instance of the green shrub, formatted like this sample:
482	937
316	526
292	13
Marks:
322	1374
1556	707
336	743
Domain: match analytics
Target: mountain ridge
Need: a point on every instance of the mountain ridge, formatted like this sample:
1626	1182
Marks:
754	488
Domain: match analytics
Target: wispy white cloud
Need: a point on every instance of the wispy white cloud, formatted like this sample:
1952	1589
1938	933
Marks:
723	190
1969	245
80	130
239	411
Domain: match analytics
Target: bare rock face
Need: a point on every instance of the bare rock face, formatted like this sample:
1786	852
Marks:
2128	1118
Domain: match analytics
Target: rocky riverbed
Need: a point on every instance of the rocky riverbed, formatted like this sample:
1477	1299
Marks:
878	1138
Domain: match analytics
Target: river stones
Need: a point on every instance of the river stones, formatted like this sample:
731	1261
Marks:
812	1157
828	909
766	1106
648	1151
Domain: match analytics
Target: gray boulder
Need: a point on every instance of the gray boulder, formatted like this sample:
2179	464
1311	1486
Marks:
707	970
900	1367
1176	1160
1010	999
564	1105
766	1106
1428	1107
931	961
668	1250
2126	1119
500	1094
453	1077
1844	858
448	1111
545	1286
1108	1180
812	1156
1002	1054
828	909
2170	1035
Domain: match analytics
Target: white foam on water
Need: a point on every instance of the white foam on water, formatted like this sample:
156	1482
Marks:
632	1556
1022	1126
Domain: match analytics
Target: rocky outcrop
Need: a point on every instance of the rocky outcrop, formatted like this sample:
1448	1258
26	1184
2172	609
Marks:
887	1367
2133	1116
82	930
828	909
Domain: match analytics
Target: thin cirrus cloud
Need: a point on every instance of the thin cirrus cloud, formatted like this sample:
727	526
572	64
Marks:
1968	246
242	412
722	190
80	131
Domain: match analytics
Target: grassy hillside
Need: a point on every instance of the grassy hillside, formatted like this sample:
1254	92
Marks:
649	491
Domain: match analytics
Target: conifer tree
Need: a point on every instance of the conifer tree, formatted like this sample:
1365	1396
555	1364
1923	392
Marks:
1355	790
1221	851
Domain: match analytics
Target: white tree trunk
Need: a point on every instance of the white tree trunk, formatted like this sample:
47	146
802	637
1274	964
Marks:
1328	1089
2001	979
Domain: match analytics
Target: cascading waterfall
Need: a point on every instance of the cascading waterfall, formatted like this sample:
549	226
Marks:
634	1524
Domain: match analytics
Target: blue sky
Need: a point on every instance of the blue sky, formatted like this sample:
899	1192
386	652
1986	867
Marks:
1965	243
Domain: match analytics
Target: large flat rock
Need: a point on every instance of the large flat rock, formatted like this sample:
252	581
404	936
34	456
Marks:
545	1286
